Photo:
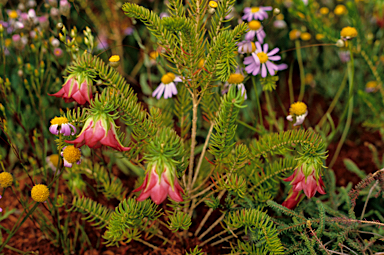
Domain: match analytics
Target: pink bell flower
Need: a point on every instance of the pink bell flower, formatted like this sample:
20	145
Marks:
160	182
309	184
293	199
76	88
97	131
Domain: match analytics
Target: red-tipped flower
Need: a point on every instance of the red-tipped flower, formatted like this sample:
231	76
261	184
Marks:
305	178
97	131
160	182
77	88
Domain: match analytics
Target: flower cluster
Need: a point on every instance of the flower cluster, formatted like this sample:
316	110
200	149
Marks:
297	113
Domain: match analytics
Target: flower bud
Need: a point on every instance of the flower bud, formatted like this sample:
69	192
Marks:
276	11
340	43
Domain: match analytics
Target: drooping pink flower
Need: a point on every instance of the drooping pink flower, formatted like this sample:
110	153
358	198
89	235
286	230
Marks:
97	131
77	88
309	184
293	199
160	182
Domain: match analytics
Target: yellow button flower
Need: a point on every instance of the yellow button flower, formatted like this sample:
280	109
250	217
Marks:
298	108
324	10
235	78
348	32
114	61
212	4
319	37
340	10
305	36
294	34
40	193
6	179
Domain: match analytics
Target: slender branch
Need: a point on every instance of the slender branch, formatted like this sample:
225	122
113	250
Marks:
301	67
213	237
227	238
204	181
212	226
202	154
366	201
193	141
208	213
148	244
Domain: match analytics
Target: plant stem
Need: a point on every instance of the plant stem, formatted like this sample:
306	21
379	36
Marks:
290	84
351	72
226	238
193	141
257	100
212	226
208	214
271	113
301	68
148	244
366	201
202	154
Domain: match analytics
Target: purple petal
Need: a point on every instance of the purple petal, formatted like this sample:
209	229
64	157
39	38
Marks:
265	47
159	91
258	47
274	58
74	129
65	129
256	58
257	70
270	68
266	8
263	71
247	9
248	60
67	164
282	67
177	79
53	129
250	35
173	89
273	52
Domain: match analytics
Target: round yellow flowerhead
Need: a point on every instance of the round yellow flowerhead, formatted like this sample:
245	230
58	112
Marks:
6	179
298	108
201	63
319	37
340	10
235	78
114	61
40	193
212	4
305	36
12	14
348	32
71	154
371	86
254	25
324	10
59	121
168	78
153	55
294	34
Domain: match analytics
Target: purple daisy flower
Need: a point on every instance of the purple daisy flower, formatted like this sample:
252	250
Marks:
261	58
65	127
167	86
255	28
246	47
256	13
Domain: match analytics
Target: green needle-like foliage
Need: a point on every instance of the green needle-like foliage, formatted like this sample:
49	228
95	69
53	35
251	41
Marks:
179	220
97	214
259	226
225	124
128	219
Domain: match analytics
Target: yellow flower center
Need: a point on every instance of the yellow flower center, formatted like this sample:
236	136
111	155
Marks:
57	52
255	9
54	159
348	32
8	42
235	78
201	63
168	78
263	57
212	4
12	14
247	50
71	154
305	36
324	10
59	121
40	193
6	179
254	25
371	84
340	10
114	58
153	54
298	108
